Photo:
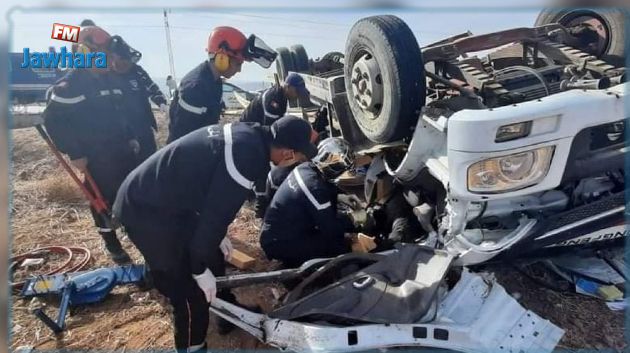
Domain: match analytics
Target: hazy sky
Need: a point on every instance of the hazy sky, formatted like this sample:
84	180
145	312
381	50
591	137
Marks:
319	30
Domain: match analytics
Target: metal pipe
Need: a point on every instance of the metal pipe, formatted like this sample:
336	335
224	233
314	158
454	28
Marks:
462	90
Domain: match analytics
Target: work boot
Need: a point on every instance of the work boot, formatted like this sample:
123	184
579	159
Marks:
115	249
202	348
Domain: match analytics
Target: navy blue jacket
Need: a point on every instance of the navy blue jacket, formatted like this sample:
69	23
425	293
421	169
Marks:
86	114
208	173
305	205
197	102
276	177
265	190
267	107
141	88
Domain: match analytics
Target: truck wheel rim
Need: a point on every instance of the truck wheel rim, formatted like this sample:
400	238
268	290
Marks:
367	85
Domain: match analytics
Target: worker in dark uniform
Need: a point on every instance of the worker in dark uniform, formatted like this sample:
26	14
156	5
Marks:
172	86
302	221
87	119
265	109
272	103
265	192
177	205
139	90
197	101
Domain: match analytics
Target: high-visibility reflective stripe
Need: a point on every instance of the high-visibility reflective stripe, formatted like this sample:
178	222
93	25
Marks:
308	194
229	160
72	100
191	108
264	104
271	184
274	131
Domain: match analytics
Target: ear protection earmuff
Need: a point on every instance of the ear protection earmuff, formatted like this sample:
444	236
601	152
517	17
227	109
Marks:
221	61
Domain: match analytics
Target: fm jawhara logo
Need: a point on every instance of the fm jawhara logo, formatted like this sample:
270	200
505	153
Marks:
82	57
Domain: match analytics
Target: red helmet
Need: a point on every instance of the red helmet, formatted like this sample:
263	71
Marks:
227	40
95	38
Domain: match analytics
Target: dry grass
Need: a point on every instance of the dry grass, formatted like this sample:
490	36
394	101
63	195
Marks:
47	209
60	188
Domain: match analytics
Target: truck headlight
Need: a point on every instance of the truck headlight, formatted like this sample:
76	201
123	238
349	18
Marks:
511	172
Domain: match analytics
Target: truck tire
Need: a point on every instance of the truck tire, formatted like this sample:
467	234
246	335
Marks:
284	63
609	23
300	58
384	77
334	56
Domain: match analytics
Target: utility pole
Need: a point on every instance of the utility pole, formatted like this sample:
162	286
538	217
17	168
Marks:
169	46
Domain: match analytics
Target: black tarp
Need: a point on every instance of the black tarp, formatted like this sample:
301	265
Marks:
399	288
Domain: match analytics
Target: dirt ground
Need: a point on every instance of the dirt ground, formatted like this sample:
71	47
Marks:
47	209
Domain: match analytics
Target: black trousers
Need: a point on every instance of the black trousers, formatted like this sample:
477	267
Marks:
165	249
109	169
148	146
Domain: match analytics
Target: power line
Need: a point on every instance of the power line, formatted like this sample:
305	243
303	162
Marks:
262	34
194	28
421	34
295	21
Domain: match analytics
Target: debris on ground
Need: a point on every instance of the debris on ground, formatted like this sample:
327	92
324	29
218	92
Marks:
48	209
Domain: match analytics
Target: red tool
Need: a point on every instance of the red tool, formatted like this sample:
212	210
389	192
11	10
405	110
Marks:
94	197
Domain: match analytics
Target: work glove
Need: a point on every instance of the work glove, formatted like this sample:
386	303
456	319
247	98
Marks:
226	248
135	146
163	108
351	200
208	284
80	164
358	217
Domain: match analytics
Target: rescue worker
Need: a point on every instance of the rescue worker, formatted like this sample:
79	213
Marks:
139	90
265	109
197	101
272	103
87	120
302	221
267	189
172	86
177	205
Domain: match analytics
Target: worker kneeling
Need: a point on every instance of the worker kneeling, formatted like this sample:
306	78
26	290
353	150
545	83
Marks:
177	205
302	221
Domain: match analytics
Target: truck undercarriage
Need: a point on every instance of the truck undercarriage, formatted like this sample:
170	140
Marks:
503	146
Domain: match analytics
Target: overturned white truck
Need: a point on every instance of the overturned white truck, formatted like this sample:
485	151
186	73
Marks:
516	153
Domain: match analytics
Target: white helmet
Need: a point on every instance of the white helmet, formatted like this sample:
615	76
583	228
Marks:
334	157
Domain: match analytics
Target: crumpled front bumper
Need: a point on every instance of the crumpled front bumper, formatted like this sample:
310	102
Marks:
477	315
